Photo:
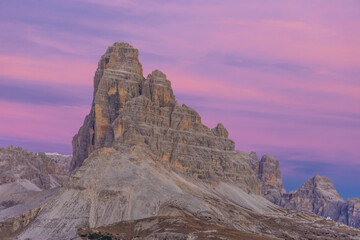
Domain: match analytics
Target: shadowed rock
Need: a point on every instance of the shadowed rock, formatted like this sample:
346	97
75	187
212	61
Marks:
271	179
350	213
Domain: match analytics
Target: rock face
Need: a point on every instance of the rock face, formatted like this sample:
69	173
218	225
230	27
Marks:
63	161
26	180
271	179
38	169
128	108
117	80
140	156
318	195
350	213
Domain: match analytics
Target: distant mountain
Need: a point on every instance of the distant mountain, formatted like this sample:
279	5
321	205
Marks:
63	161
26	180
318	195
145	167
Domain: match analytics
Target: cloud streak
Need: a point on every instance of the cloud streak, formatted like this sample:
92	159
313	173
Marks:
42	93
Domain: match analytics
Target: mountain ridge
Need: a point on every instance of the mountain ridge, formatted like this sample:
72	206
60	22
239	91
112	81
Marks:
26	180
317	195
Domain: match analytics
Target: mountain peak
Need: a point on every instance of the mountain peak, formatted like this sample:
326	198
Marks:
323	187
121	56
319	178
269	171
129	109
123	45
271	179
317	195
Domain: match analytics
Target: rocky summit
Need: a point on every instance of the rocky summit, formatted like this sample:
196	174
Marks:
145	167
318	195
131	110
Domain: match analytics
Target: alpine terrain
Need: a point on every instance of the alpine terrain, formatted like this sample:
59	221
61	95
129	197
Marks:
145	167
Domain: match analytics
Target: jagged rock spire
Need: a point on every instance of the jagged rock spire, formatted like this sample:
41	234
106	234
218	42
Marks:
271	179
130	109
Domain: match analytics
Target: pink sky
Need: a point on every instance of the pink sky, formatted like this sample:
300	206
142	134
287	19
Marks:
283	76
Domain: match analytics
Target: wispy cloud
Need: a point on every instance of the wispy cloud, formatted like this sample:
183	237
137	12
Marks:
51	124
47	70
44	93
263	65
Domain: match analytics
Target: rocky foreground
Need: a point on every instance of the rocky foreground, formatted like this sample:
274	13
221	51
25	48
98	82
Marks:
185	228
145	167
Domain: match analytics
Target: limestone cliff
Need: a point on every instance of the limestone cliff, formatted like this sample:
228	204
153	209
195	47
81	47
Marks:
350	213
117	80
127	108
271	179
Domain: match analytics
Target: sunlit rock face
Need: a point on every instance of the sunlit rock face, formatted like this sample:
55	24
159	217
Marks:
117	80
128	108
